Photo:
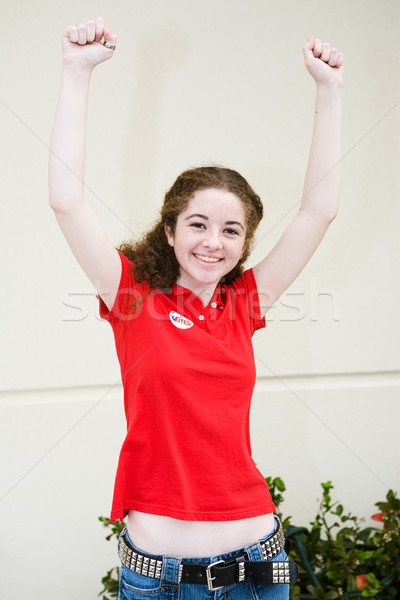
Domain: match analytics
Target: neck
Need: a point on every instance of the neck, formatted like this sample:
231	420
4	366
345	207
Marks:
204	292
205	295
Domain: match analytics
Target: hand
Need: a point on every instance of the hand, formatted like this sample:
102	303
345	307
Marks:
324	63
82	44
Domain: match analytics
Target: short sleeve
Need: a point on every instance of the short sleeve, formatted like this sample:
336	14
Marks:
246	284
128	298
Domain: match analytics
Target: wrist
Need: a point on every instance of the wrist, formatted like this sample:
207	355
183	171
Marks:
76	70
329	89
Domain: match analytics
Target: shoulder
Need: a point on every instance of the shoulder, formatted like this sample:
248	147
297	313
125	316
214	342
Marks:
129	275
244	283
129	294
244	296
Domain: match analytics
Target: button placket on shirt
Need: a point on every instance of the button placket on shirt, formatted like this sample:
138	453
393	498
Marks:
193	308
211	313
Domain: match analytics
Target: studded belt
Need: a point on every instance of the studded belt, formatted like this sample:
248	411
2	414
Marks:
220	573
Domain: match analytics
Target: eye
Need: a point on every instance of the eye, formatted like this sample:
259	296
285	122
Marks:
197	225
232	231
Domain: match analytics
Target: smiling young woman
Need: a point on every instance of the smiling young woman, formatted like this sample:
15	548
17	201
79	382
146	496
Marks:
183	310
208	240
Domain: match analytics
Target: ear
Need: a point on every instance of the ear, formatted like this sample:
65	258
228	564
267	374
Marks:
169	235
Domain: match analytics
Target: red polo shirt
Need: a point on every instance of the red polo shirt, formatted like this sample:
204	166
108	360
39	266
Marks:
188	375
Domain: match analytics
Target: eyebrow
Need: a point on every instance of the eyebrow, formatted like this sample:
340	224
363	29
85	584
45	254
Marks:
206	219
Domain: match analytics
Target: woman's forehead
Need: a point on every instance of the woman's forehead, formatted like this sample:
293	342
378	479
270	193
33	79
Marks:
215	202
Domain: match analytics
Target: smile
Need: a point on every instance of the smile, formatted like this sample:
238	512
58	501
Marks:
208	259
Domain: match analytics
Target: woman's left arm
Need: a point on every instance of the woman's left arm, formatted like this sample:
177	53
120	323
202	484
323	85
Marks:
320	200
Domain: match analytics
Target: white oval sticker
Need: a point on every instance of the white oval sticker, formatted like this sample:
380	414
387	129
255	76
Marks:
179	321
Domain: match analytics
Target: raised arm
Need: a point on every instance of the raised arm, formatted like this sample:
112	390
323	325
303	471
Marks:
320	200
83	48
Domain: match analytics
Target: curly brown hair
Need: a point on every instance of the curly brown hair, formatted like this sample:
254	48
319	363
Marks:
154	259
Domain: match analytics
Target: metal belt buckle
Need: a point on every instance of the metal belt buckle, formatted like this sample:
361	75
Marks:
211	579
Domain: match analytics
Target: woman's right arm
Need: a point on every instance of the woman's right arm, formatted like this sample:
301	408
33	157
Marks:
82	51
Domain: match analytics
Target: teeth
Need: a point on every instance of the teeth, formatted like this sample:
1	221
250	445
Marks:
207	258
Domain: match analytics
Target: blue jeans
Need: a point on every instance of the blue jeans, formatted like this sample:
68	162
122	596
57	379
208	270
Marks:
133	586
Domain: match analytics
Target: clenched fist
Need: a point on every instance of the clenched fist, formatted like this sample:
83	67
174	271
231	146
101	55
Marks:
324	63
83	44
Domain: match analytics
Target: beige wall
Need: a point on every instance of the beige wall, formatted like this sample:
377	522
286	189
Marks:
193	83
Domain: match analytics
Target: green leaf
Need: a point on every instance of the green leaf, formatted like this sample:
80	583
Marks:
280	484
351	584
339	510
327	486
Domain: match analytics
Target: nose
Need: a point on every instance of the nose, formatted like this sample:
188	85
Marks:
212	241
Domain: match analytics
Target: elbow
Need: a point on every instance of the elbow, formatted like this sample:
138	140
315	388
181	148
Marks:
53	205
326	217
332	218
